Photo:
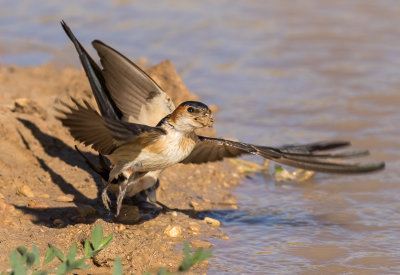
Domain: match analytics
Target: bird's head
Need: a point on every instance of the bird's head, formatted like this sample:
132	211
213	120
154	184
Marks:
191	115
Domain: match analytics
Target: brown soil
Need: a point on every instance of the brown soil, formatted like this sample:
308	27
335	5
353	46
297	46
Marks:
49	195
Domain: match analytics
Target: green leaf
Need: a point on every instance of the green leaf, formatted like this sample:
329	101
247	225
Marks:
187	258
57	252
50	255
201	255
62	269
30	259
35	252
22	250
192	258
19	269
14	259
71	253
80	264
186	249
117	269
106	241
186	263
197	254
97	236
88	250
162	271
278	169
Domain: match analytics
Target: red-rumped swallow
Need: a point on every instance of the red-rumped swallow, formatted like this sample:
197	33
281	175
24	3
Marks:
141	132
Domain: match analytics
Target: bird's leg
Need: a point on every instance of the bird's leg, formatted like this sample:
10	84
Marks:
122	186
151	194
104	196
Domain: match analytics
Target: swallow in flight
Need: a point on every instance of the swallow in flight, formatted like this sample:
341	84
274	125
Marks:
141	132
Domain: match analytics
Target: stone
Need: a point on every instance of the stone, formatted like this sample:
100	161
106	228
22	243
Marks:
25	191
173	231
37	204
6	207
194	227
212	221
201	244
65	198
86	210
194	205
128	214
28	106
58	222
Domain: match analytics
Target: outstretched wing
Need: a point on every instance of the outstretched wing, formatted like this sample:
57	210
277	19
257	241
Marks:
97	82
213	149
135	93
102	134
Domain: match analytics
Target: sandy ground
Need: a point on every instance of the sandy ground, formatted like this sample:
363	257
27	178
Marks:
49	195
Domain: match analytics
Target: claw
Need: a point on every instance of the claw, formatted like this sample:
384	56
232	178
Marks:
104	196
121	194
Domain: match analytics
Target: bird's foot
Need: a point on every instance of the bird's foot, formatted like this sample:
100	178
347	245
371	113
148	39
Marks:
105	198
121	194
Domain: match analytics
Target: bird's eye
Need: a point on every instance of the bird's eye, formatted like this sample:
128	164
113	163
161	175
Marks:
190	110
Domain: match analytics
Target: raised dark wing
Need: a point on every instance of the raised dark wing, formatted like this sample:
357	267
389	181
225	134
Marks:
94	74
299	156
135	93
102	134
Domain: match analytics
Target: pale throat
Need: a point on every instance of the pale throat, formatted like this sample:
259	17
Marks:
184	124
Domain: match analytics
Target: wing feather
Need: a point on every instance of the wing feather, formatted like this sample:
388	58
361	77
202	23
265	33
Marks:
135	93
94	74
102	134
299	156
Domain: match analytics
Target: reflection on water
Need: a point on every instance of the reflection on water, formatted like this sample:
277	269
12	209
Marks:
282	72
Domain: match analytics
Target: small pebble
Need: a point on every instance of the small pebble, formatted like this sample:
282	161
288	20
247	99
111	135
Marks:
25	191
65	198
173	231
194	227
225	237
194	205
86	210
44	195
28	106
1	196
58	223
283	175
6	207
129	214
121	227
212	221
37	204
201	244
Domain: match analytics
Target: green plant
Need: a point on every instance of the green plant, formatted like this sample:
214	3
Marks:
24	262
117	269
189	259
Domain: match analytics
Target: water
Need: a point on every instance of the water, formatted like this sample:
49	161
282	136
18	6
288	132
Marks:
281	72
